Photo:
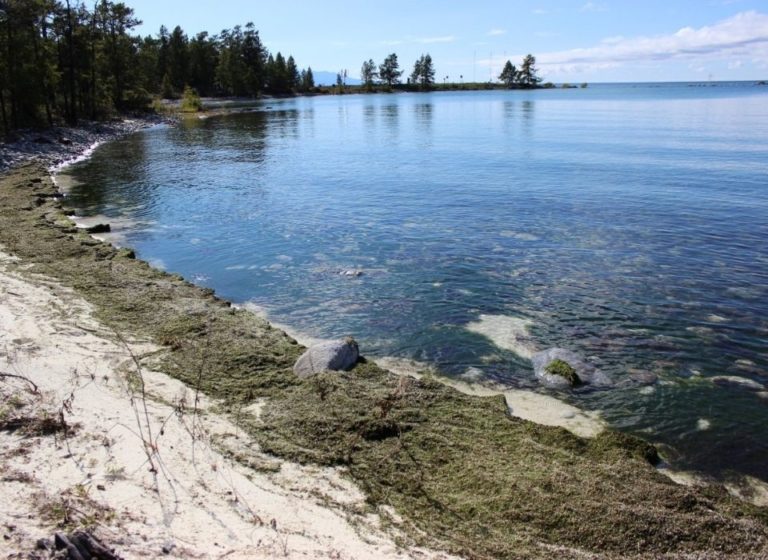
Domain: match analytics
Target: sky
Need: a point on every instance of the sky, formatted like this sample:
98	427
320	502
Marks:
573	41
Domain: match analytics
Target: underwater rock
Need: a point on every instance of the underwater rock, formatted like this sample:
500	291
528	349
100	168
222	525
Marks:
337	355
737	382
583	371
643	377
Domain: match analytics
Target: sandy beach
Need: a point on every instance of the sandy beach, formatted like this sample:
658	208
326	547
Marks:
149	472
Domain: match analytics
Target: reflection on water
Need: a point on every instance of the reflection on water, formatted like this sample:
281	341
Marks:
630	225
390	116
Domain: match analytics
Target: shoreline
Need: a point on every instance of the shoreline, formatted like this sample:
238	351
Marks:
522	403
97	475
289	412
59	146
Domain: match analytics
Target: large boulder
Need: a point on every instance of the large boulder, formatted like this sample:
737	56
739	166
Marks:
337	355
559	368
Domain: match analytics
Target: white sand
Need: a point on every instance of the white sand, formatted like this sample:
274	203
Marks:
509	333
199	503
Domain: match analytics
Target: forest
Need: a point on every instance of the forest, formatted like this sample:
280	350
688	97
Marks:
61	61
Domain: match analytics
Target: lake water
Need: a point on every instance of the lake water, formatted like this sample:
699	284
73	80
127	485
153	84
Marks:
628	223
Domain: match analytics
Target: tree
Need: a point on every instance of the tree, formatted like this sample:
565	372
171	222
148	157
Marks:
509	74
389	70
294	79
178	59
307	80
203	59
231	70
253	55
423	73
528	77
116	52
277	72
368	74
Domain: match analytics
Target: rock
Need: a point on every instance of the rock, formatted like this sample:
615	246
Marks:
65	141
99	228
738	382
643	377
337	355
585	372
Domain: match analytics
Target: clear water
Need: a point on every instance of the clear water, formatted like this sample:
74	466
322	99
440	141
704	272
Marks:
628	223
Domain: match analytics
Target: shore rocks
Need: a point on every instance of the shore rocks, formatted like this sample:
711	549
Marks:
60	144
99	228
337	355
547	366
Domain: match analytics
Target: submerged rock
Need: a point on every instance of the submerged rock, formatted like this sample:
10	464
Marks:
549	364
738	382
643	377
337	355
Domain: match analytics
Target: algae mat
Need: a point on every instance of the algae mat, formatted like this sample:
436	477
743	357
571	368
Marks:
458	471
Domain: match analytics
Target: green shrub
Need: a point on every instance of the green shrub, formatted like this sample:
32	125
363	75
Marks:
190	101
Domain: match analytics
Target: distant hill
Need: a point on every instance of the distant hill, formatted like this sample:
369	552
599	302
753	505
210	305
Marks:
329	79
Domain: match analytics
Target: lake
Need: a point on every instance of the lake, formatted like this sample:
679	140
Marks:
465	230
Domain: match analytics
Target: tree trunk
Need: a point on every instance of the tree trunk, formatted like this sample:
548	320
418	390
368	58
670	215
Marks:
72	104
42	81
2	110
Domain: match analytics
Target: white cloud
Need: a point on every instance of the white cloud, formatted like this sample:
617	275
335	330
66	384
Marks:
497	32
594	7
418	41
430	40
540	12
744	35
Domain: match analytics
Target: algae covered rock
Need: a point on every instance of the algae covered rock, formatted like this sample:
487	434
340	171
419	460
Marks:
336	355
559	368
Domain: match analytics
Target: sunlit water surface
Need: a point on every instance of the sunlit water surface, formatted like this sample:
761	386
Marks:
628	223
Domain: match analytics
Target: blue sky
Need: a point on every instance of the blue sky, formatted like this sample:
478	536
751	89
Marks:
573	41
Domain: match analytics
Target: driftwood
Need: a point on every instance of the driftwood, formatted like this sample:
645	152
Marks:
14	376
82	546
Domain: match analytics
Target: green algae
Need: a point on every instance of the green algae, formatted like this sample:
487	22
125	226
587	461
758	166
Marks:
464	475
563	369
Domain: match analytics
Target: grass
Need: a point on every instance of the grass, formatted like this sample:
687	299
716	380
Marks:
464	475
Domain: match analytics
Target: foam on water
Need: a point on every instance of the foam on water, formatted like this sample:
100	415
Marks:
86	154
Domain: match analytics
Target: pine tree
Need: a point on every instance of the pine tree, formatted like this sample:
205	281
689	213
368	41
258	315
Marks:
389	70
368	74
528	77
509	74
423	73
292	73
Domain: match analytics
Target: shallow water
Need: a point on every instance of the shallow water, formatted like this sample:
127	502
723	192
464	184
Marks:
628	223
